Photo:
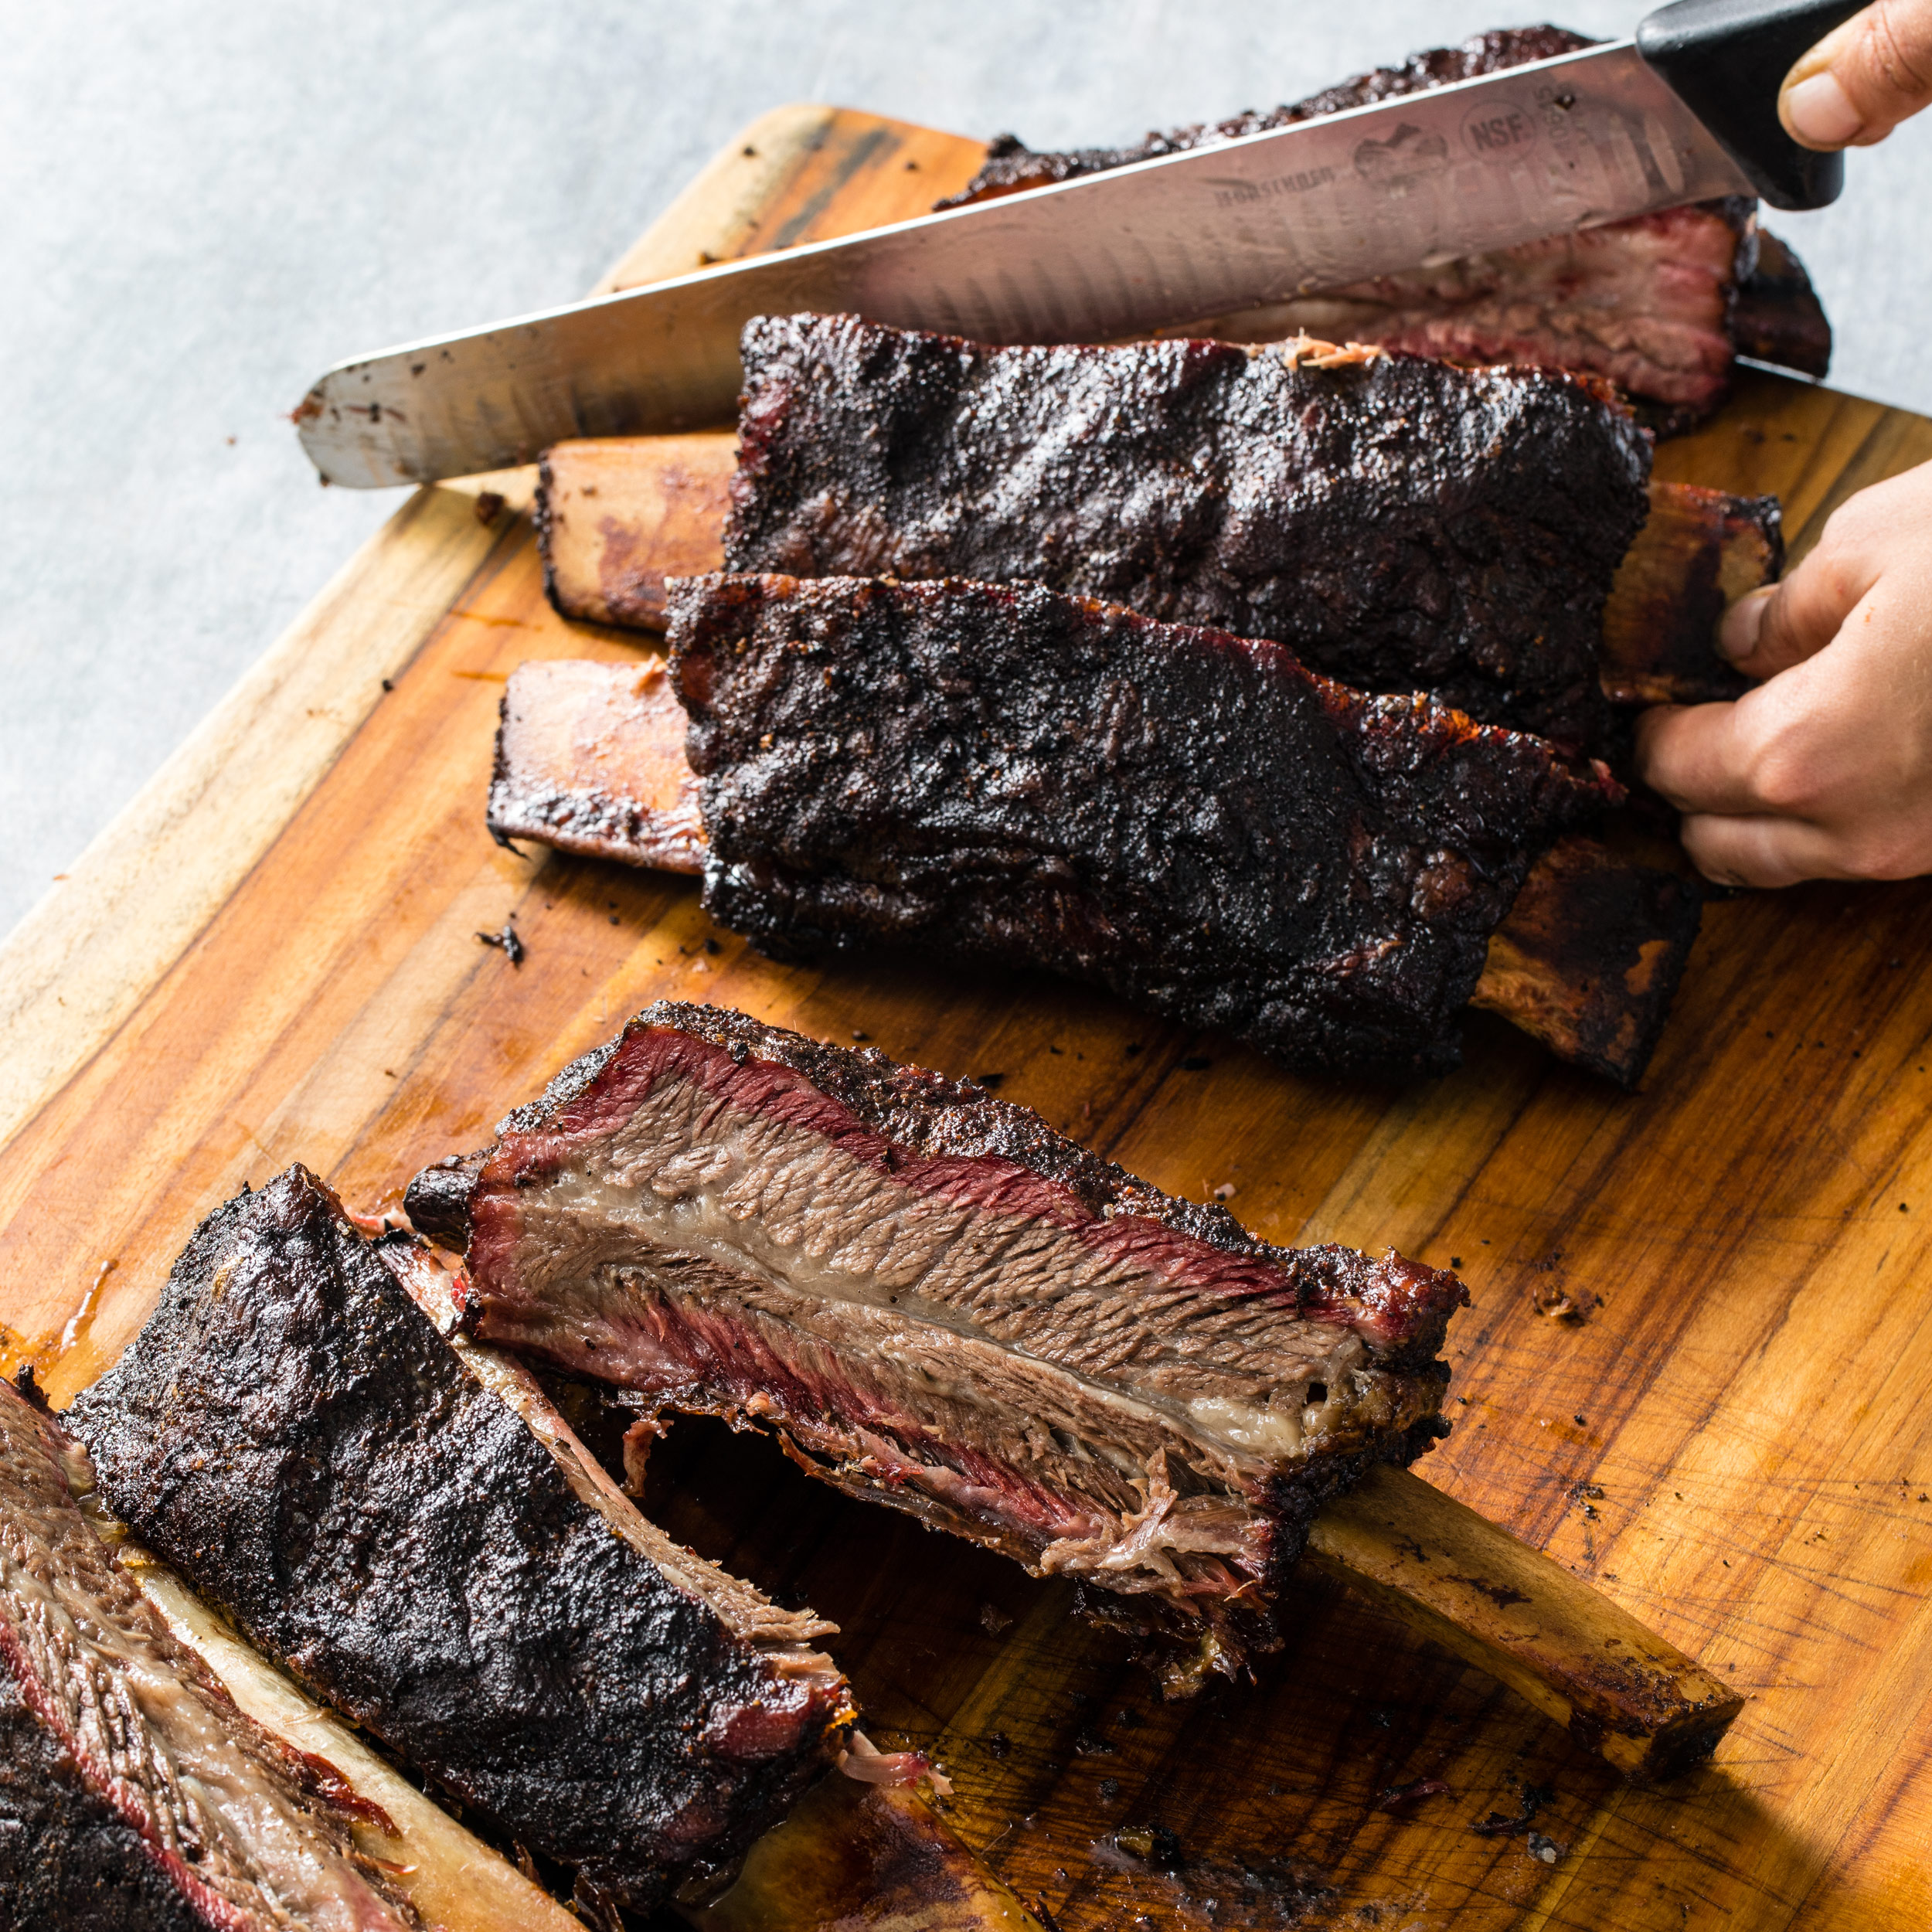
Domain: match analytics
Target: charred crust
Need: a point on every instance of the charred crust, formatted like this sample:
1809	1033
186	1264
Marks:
542	516
290	1432
1606	943
1775	315
504	791
437	1200
1463	538
1001	772
26	1382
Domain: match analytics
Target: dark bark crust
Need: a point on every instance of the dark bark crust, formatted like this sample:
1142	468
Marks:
1192	820
1777	316
290	1432
1398	523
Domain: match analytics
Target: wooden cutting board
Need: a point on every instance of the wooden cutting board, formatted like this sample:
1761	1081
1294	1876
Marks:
272	955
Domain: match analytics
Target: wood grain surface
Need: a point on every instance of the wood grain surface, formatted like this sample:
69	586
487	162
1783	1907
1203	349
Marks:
274	955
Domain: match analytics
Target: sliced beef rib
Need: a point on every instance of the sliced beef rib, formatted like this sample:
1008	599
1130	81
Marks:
1662	305
134	1796
1192	820
938	1302
408	1527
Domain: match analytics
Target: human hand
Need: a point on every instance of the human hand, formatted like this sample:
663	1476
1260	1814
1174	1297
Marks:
1824	770
1862	79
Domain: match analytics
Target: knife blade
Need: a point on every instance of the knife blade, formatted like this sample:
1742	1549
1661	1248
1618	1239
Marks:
1584	138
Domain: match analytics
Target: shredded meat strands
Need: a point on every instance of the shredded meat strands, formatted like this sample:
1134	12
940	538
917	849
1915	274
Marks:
1312	352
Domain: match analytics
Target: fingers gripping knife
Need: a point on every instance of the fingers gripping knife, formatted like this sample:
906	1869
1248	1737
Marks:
1684	111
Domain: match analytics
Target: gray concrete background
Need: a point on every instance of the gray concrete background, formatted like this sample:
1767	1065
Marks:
202	206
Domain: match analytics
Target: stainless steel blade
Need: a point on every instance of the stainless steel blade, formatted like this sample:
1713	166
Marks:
1564	144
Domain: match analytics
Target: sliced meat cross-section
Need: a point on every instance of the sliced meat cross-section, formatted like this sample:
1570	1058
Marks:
134	1796
938	1301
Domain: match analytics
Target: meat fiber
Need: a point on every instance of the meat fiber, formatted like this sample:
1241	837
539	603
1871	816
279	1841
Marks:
1193	821
1400	524
938	1302
1661	304
134	1796
410	1528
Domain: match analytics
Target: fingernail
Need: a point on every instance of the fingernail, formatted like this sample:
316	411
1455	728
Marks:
1819	112
1738	635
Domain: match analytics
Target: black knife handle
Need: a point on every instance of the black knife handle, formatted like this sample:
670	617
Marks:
1726	60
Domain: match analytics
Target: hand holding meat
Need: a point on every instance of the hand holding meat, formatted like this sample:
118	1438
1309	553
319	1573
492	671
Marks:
1862	79
1823	771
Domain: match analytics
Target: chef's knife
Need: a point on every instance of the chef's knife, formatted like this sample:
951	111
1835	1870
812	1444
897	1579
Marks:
1684	111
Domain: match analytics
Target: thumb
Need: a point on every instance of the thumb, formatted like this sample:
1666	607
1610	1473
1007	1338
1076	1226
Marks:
1862	79
1768	630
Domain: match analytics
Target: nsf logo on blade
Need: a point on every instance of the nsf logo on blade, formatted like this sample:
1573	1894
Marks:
1498	130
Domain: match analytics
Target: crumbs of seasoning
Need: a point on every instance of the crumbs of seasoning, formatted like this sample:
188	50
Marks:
1133	1047
711	947
506	941
1455	1260
1110	1789
489	506
1196	1063
988	1079
387	686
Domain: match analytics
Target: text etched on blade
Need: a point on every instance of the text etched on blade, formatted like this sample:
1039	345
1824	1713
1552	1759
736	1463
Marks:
1235	194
